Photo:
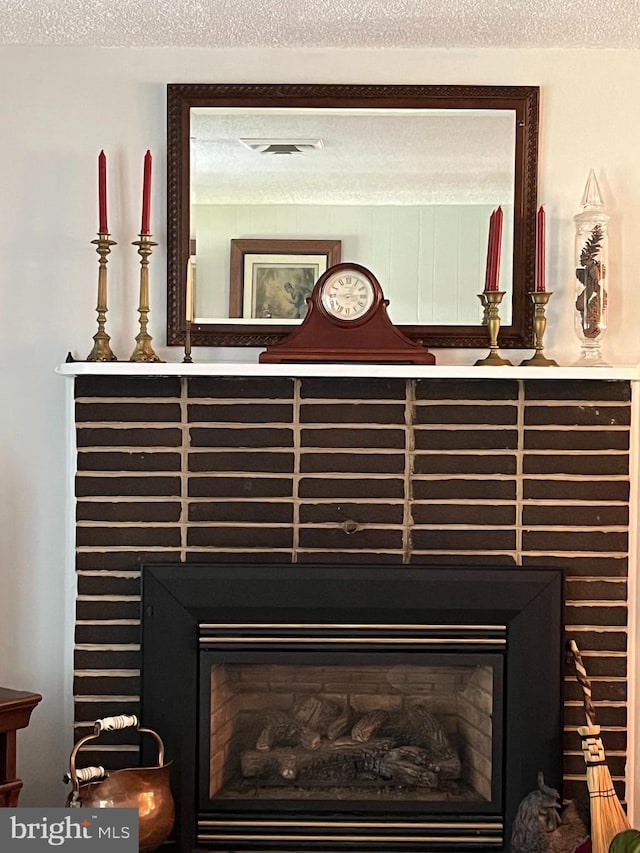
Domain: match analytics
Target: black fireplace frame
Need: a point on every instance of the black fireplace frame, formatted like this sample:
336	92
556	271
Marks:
177	598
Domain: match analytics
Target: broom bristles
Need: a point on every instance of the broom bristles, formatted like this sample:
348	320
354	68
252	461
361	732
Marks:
607	815
608	818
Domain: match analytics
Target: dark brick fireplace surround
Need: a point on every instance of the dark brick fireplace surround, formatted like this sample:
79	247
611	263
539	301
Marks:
437	472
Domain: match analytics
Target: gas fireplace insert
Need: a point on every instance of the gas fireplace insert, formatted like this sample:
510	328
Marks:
360	708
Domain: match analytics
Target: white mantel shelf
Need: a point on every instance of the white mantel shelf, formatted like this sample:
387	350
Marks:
355	371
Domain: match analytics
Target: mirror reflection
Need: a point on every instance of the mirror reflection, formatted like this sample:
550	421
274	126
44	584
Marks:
408	193
267	185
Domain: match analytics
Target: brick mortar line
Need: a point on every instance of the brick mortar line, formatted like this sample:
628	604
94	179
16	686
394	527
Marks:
313	475
477	502
159	549
409	457
425	427
103	597
108	623
427	475
113	549
542	451
498	552
136	474
257	549
184	468
383	401
111	673
339	401
307	525
100	549
508	552
538	528
576	503
128	398
529	403
270	474
197	398
536	552
364	525
317	450
128	574
346	403
107	697
444	527
519	502
122	524
571	477
325	450
295	496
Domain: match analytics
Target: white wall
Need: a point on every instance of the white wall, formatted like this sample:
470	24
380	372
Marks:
59	107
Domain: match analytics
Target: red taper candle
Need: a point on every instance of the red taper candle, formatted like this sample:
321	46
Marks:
497	251
540	252
102	194
490	241
146	194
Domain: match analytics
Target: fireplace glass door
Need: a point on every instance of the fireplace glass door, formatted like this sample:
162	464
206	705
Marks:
364	728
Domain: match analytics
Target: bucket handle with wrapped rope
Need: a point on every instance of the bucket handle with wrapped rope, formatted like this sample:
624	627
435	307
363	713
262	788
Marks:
84	775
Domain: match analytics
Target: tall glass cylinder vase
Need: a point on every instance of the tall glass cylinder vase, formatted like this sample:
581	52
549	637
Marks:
591	266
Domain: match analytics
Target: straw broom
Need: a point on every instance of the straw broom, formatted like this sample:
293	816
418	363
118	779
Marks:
607	815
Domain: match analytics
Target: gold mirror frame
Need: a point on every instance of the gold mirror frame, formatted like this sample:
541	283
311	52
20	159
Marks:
181	97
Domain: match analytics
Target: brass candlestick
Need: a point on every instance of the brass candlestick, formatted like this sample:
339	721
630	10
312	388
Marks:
187	344
539	326
491	300
101	349
143	350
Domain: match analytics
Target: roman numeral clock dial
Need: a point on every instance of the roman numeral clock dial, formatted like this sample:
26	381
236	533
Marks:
347	321
347	296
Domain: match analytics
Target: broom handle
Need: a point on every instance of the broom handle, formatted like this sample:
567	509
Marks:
583	681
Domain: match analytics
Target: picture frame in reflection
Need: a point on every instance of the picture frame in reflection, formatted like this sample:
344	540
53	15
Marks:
271	279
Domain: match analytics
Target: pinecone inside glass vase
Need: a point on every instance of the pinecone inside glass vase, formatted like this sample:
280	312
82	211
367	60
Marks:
591	302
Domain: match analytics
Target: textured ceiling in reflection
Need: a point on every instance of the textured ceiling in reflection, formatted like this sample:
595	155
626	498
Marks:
367	157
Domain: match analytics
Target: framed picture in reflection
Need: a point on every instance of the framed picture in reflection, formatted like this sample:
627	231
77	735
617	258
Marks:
271	279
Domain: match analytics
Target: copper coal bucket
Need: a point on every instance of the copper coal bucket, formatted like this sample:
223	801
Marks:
144	788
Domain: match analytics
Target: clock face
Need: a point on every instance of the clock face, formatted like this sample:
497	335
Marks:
347	295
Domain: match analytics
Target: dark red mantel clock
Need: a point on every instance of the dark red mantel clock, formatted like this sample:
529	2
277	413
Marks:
347	321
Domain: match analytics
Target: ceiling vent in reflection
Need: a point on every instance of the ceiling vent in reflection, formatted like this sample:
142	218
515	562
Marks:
282	146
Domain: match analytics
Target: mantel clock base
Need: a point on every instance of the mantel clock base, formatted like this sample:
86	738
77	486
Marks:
347	321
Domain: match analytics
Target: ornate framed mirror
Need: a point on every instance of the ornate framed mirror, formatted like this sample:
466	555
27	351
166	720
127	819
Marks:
402	179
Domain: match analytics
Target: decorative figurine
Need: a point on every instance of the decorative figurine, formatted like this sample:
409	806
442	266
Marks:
539	828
